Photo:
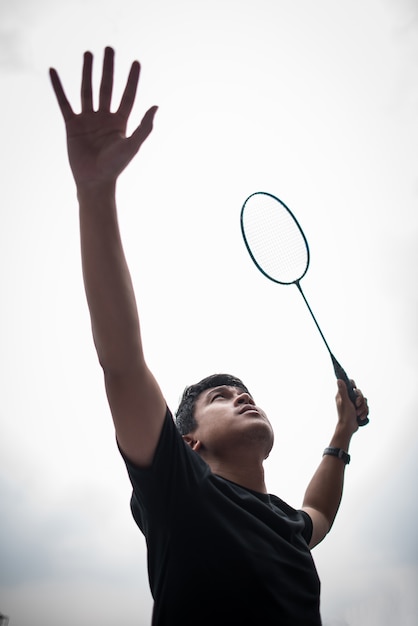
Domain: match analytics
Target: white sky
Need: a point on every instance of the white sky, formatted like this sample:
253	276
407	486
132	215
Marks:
316	102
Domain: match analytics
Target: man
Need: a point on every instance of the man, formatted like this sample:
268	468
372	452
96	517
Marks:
221	550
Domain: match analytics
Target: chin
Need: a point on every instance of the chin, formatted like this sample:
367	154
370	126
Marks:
264	437
269	450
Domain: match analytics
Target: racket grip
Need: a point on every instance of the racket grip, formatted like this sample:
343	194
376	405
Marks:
340	374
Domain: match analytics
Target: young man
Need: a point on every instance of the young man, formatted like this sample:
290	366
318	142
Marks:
221	550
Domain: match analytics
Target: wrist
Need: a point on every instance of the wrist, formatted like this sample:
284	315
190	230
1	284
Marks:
97	191
341	437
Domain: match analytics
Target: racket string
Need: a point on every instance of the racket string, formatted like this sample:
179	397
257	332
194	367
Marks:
275	239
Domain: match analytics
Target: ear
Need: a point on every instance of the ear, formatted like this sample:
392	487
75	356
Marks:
195	444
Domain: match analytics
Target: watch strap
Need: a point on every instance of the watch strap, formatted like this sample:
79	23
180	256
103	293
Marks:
339	453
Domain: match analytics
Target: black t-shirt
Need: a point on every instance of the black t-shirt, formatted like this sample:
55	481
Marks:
220	554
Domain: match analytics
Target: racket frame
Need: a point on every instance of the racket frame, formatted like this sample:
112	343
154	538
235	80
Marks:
338	369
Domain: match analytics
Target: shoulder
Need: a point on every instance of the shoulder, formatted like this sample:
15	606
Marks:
173	462
300	518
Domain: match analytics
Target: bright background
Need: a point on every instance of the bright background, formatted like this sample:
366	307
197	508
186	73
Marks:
316	102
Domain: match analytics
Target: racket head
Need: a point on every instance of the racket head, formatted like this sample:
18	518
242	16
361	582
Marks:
274	238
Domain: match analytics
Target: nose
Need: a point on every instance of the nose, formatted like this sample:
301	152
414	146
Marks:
244	398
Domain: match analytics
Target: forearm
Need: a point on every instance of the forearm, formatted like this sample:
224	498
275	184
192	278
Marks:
325	489
107	281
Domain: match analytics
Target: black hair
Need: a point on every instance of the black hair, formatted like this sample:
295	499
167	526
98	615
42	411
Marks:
185	420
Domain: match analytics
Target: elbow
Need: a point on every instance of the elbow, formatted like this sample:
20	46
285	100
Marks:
117	358
321	525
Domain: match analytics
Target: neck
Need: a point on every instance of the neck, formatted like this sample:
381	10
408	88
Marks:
250	476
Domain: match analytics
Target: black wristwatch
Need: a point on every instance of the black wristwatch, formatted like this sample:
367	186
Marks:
339	453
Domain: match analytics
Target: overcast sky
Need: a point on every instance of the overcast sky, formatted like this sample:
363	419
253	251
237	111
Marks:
316	102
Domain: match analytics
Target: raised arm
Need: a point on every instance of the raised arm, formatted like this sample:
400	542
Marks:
98	151
323	495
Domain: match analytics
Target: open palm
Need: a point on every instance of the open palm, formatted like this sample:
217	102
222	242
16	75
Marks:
98	148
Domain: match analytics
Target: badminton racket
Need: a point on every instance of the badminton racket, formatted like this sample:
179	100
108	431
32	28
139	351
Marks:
278	247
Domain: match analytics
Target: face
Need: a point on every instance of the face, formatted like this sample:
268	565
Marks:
228	418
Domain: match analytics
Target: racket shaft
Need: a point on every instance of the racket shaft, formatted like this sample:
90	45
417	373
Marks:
338	369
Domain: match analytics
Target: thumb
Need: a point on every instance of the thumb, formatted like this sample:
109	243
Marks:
342	396
144	129
345	408
341	385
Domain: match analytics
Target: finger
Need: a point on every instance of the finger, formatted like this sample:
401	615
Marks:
144	129
106	86
360	400
86	89
362	417
63	103
128	97
362	410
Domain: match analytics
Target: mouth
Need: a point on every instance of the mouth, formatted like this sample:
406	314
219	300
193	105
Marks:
248	408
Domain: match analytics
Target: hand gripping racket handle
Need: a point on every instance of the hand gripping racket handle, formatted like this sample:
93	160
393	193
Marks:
340	373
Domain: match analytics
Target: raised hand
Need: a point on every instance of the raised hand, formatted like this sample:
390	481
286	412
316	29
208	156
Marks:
98	148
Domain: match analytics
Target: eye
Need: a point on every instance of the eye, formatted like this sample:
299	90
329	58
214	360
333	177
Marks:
217	395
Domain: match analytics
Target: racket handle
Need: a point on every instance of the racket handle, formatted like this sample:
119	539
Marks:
340	373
